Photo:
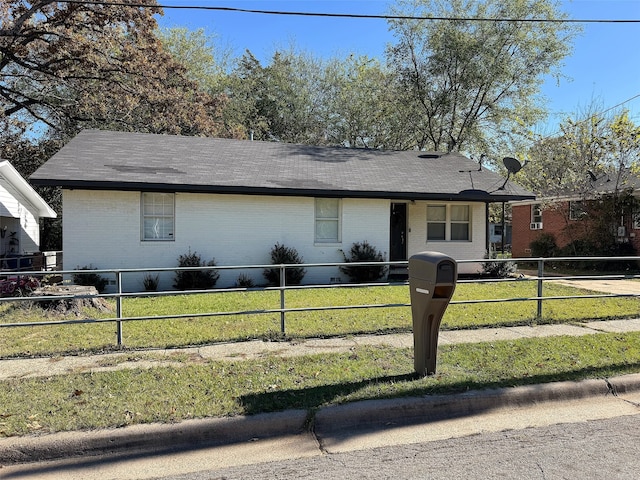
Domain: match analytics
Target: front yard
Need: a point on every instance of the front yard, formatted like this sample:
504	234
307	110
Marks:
193	330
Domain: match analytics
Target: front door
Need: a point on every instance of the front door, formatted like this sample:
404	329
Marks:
398	231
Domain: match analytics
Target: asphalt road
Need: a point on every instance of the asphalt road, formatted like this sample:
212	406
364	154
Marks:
599	449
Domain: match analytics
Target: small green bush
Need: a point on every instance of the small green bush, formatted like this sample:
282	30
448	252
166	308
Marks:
281	255
90	279
244	281
364	252
195	279
150	282
544	246
496	269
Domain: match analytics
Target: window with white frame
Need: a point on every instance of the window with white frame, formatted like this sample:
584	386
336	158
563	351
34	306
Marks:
449	222
460	222
328	220
158	216
536	213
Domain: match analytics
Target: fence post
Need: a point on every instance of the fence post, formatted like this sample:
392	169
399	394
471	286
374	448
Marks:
540	282
119	308
282	303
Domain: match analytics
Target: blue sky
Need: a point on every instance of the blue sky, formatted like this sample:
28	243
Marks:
603	70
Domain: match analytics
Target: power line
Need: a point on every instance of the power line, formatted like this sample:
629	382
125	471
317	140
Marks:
5	33
347	15
557	132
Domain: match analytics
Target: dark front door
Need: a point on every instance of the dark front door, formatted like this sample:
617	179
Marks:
398	241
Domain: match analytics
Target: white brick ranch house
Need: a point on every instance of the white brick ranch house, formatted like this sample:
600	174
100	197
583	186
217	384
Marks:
135	200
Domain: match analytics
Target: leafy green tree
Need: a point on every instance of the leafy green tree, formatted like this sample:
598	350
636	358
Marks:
282	101
594	158
472	83
205	61
362	105
589	147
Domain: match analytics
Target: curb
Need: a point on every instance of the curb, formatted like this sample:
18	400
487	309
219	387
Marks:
372	414
137	439
415	410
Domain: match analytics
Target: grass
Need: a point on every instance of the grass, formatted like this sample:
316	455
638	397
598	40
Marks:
216	388
101	336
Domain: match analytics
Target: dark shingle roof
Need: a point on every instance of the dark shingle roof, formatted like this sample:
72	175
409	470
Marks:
133	161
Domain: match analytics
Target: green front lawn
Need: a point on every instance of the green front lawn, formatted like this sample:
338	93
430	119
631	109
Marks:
64	339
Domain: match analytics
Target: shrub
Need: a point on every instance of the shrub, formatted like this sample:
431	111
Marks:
195	279
364	252
90	279
544	246
498	269
288	256
150	282
244	281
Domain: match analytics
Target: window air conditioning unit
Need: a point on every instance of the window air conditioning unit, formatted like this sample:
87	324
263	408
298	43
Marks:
536	226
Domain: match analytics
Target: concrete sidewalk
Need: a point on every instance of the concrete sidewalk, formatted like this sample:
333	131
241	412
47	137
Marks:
43	367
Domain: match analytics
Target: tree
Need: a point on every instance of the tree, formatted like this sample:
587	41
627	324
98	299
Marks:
283	101
588	147
471	83
65	66
595	158
205	62
362	100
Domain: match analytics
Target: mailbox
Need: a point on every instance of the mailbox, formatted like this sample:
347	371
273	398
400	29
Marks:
432	280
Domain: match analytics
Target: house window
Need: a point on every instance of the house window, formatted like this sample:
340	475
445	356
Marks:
158	216
328	225
576	210
536	213
448	222
460	222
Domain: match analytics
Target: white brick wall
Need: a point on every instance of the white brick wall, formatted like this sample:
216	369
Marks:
103	229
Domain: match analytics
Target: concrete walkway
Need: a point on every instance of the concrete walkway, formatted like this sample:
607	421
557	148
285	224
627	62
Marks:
62	365
615	286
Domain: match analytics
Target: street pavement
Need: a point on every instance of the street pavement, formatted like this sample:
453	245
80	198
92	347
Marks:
298	433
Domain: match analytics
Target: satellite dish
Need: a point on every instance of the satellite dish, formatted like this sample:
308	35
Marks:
512	165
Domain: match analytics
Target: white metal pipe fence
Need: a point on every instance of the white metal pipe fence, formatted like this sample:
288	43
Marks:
538	265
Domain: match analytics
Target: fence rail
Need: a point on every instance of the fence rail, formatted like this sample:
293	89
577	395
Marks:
540	275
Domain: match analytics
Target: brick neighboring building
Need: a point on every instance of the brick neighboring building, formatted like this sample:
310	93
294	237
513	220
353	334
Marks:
566	220
532	219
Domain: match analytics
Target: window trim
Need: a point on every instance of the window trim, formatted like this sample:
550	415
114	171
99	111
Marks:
337	220
448	222
144	216
536	218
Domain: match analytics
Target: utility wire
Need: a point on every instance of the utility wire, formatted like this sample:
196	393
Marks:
557	132
347	15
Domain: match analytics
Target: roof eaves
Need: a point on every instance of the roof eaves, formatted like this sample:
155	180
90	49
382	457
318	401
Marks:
270	191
